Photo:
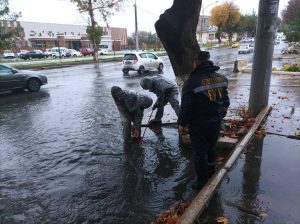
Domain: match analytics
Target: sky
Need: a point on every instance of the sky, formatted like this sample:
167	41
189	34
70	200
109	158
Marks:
65	12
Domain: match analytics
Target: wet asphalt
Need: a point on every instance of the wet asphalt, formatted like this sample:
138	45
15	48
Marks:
63	159
263	185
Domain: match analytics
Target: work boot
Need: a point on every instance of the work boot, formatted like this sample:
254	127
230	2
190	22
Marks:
155	122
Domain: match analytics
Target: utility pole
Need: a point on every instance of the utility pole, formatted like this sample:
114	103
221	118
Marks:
263	55
136	28
202	19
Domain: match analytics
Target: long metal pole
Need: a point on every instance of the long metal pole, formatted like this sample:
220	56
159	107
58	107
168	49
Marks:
147	124
136	28
263	55
202	19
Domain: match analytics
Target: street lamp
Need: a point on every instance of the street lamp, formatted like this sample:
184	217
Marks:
203	9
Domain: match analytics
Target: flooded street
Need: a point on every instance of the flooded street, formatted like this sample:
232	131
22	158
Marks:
62	157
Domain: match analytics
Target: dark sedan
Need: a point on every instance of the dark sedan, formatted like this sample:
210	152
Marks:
33	54
14	79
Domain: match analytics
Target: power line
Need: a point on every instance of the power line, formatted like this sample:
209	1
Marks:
148	12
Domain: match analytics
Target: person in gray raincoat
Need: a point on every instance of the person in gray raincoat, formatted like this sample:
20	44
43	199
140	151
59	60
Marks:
166	91
131	107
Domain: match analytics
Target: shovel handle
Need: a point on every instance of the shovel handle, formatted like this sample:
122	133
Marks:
147	124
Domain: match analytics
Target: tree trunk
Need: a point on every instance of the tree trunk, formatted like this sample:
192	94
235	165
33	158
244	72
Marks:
176	29
230	35
93	24
218	35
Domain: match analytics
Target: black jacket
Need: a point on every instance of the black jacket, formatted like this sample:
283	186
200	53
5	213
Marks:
204	96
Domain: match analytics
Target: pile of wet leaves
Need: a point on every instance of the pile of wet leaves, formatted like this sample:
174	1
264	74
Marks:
171	215
239	125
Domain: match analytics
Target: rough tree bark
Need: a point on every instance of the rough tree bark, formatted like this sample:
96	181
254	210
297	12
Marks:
93	24
176	29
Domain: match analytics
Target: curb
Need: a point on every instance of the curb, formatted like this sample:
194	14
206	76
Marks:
200	201
248	69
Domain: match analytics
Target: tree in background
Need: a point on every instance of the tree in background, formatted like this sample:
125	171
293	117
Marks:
105	8
7	37
291	21
225	17
246	27
94	34
219	16
145	38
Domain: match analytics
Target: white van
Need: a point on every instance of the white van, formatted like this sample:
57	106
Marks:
246	48
103	49
57	52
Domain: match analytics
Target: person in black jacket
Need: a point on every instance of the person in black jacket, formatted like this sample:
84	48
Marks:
204	103
131	107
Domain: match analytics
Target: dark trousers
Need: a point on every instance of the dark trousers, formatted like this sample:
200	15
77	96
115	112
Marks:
171	98
204	139
127	120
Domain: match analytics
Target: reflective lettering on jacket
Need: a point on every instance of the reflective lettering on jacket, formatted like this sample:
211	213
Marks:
212	88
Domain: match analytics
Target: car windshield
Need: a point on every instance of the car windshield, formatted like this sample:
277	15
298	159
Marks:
130	57
8	51
244	46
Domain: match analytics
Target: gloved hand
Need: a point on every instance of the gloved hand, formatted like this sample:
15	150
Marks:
182	129
135	133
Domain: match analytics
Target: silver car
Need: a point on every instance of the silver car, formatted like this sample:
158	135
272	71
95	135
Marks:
13	79
141	62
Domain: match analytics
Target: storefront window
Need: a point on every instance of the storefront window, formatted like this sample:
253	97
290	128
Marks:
38	44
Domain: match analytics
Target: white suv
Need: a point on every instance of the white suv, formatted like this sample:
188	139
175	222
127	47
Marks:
246	48
141	62
102	51
8	54
57	52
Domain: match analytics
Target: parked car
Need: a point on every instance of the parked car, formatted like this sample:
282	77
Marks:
19	54
141	62
74	53
8	54
247	41
57	52
245	49
235	45
13	79
86	51
35	54
48	52
103	51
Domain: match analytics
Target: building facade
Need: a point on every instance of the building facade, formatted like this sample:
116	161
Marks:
206	33
47	35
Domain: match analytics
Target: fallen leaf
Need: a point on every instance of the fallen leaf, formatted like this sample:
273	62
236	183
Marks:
221	159
222	219
263	215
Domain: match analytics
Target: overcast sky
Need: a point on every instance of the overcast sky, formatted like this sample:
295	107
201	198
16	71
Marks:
65	12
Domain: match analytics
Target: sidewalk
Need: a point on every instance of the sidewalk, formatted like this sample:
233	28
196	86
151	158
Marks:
263	185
